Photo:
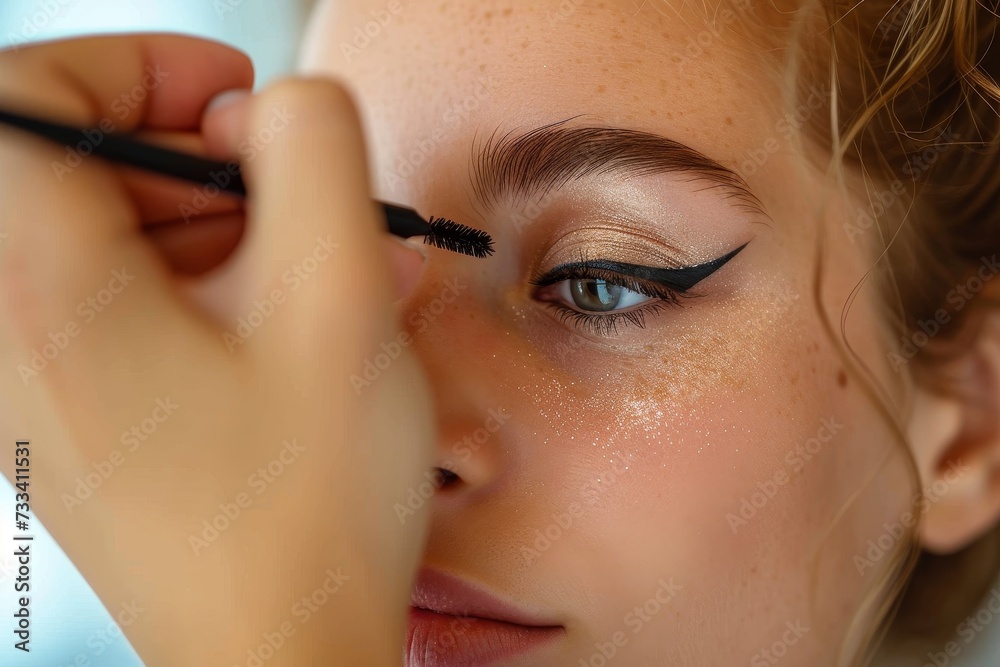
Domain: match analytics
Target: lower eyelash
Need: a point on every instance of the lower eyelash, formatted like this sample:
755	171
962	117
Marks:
607	325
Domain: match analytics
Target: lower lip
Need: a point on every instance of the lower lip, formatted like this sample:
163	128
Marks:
443	640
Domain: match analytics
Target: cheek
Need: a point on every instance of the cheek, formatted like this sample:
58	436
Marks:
726	470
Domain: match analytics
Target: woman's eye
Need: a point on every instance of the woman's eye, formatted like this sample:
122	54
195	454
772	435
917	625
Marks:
599	303
598	295
595	295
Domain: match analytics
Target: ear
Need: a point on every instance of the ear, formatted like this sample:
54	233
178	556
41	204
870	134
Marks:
955	438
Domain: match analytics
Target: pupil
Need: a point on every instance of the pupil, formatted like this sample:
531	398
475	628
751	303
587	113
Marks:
595	295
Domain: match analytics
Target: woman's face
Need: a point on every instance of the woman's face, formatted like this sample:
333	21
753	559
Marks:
675	468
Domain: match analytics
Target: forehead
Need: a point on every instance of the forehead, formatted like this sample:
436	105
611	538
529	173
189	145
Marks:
688	67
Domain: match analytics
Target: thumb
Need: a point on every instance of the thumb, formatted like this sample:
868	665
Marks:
225	126
407	260
314	237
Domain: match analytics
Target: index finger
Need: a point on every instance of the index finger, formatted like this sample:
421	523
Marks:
154	81
66	237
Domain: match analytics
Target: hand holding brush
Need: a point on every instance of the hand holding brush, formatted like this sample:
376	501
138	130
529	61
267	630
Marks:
281	392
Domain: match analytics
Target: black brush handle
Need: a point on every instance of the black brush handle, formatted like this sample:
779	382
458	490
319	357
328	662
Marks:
127	150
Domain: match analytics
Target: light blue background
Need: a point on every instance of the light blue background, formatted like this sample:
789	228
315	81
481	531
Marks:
67	619
266	29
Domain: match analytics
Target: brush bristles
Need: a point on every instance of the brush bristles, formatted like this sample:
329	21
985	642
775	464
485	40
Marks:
449	235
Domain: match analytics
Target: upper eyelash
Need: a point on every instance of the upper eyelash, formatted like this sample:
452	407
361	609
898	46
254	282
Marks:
669	286
679	279
597	270
604	324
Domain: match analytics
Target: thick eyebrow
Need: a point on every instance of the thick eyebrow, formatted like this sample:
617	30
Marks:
549	157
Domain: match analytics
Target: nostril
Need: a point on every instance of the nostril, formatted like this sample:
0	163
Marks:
444	478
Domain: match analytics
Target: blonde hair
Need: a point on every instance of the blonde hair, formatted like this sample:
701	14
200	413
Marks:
916	104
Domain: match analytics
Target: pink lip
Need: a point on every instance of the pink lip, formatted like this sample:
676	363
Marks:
453	623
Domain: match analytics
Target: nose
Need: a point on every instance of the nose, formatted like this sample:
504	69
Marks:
459	351
470	452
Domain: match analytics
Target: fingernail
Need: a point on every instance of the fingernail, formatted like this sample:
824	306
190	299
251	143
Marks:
408	261
227	98
413	245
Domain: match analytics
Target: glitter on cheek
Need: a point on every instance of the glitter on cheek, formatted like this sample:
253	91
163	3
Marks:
691	390
698	352
731	349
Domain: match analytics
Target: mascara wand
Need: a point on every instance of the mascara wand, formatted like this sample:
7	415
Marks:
127	150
